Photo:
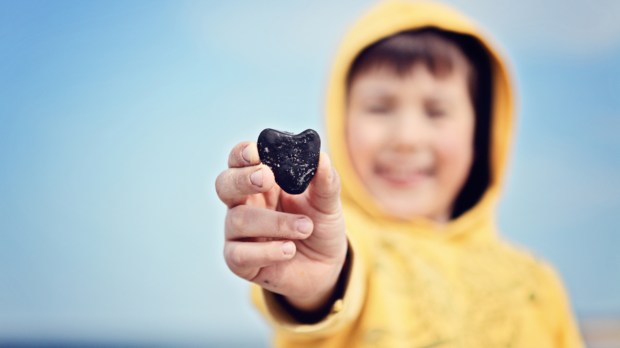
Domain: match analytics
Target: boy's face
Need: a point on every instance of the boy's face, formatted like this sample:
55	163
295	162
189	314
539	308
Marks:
410	138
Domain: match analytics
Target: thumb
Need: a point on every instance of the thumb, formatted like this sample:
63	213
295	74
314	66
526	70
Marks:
324	190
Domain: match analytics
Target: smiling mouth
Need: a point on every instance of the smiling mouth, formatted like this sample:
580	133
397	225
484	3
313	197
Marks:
403	177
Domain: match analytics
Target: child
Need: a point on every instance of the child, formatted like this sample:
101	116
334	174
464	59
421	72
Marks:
419	116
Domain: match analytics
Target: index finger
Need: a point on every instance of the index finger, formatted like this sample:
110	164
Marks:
243	154
234	185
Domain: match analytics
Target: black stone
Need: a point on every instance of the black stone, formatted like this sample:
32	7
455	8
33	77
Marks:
292	158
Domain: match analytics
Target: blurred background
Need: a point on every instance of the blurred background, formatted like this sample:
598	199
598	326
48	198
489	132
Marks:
116	117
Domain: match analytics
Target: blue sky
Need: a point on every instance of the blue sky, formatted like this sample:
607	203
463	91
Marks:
116	117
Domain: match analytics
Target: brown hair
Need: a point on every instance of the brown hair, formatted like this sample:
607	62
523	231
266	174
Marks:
440	51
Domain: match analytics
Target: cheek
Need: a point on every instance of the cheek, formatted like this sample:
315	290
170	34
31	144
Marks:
363	142
455	151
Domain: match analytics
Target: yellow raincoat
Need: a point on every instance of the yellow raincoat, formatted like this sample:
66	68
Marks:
411	285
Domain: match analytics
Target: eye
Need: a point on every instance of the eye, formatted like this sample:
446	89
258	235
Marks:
435	112
379	109
435	109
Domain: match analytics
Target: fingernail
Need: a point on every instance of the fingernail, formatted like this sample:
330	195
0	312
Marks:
303	225
257	178
245	154
288	248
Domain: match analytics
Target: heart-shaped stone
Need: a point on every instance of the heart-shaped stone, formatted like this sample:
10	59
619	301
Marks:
292	158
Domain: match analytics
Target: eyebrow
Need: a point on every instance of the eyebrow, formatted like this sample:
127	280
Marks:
382	97
435	101
376	92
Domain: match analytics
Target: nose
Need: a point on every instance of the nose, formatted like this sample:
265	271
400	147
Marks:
410	132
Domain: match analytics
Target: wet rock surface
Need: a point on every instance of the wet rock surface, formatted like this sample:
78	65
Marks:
292	158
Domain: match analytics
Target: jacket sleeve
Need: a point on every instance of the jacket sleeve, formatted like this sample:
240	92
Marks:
559	314
343	314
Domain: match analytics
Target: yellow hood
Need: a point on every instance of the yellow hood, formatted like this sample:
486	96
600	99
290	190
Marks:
391	17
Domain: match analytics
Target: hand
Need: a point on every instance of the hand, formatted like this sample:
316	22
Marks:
293	245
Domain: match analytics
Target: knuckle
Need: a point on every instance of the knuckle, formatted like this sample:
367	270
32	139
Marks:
233	156
282	224
271	254
219	184
241	181
235	219
335	185
228	256
237	259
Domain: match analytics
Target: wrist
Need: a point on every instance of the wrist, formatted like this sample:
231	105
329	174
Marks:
315	308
